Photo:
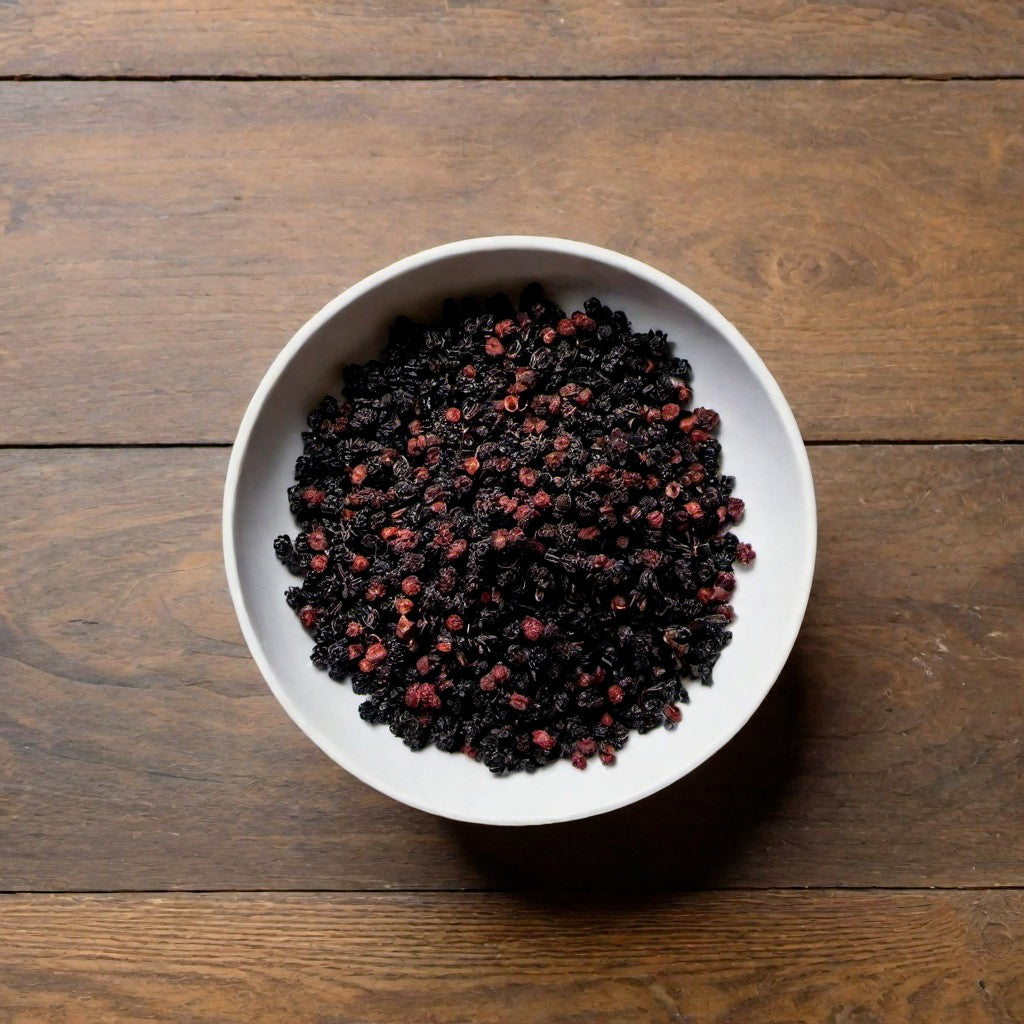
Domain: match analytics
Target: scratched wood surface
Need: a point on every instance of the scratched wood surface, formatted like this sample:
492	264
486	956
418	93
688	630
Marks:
140	749
510	37
161	241
698	958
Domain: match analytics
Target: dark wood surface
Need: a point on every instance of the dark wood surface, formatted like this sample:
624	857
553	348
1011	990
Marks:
696	958
141	750
161	241
171	847
511	37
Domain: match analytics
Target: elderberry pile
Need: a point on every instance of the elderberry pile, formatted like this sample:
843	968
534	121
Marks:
514	535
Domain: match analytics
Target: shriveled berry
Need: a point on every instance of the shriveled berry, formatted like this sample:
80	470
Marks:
519	701
533	629
543	739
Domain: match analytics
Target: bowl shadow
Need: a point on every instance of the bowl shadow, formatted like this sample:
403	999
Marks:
691	835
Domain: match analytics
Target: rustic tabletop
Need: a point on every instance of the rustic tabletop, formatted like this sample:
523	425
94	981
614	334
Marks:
181	186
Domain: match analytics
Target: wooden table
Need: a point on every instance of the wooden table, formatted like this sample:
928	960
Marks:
182	185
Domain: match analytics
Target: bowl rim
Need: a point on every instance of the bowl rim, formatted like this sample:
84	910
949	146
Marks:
538	243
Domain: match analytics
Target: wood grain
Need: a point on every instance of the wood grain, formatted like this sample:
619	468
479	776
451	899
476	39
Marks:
701	958
161	241
139	748
514	37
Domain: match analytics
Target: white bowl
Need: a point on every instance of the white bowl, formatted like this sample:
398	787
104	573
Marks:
762	449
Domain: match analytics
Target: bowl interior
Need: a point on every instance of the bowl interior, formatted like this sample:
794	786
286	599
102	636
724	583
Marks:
762	449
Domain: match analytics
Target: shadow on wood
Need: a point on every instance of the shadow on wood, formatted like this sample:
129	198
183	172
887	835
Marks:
686	836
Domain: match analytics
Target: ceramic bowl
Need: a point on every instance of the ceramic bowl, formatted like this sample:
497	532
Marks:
762	449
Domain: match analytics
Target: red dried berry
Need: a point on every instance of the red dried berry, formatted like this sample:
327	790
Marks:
533	629
566	328
454	623
308	616
354	629
588	533
650	558
318	563
519	701
735	507
411	586
578	760
582	322
493	347
453	415
619	603
376	652
584	397
501	673
504	327
672	714
670	411
355	652
457	549
548	335
313	496
655	519
587	746
745	553
471	465
527	476
543	739
607	720
360	563
616	694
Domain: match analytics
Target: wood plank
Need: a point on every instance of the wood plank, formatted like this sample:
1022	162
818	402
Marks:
700	958
161	241
139	749
515	37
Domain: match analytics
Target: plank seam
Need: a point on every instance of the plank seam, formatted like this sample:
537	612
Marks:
765	77
469	891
